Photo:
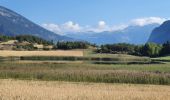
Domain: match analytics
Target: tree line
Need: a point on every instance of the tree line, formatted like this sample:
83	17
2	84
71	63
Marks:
72	45
33	39
4	38
149	49
28	38
65	45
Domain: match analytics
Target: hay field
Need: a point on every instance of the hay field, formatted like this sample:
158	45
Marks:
42	90
75	53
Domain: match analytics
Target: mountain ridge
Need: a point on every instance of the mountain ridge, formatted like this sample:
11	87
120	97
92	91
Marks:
13	24
131	34
161	34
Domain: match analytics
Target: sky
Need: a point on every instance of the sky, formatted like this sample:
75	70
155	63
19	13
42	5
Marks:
96	15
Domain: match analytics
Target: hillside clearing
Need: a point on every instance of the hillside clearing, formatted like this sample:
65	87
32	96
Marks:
75	53
42	90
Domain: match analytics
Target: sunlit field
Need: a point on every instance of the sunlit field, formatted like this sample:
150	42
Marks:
75	53
42	90
78	77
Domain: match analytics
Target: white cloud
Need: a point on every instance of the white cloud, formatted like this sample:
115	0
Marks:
52	27
147	21
61	29
71	26
102	26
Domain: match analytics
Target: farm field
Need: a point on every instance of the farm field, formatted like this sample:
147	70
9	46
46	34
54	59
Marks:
75	53
47	90
65	77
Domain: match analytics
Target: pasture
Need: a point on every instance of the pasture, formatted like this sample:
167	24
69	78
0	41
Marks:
47	90
74	53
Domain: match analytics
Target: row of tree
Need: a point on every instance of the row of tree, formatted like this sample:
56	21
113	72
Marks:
65	45
149	49
72	45
28	38
5	38
33	39
116	48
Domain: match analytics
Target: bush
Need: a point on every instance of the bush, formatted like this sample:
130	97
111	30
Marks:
24	47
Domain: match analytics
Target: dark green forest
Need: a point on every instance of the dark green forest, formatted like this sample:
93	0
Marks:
149	49
72	45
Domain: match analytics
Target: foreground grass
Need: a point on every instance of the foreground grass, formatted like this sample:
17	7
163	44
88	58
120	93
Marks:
136	74
38	90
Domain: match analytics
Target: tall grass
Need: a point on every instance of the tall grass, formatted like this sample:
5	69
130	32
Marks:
92	76
86	73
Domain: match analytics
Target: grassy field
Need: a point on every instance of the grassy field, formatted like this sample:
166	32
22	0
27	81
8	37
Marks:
51	71
90	53
87	68
51	75
74	53
42	90
164	59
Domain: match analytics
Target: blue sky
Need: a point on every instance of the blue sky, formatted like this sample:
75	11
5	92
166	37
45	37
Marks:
88	12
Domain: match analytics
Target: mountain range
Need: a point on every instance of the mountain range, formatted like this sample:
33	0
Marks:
131	34
13	24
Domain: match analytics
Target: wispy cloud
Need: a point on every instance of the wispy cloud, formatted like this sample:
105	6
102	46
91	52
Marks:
71	26
148	20
52	27
61	29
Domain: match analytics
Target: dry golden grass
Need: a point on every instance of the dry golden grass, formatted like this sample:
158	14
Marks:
38	90
49	62
75	53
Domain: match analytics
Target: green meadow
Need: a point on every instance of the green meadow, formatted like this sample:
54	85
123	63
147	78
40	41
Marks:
92	67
